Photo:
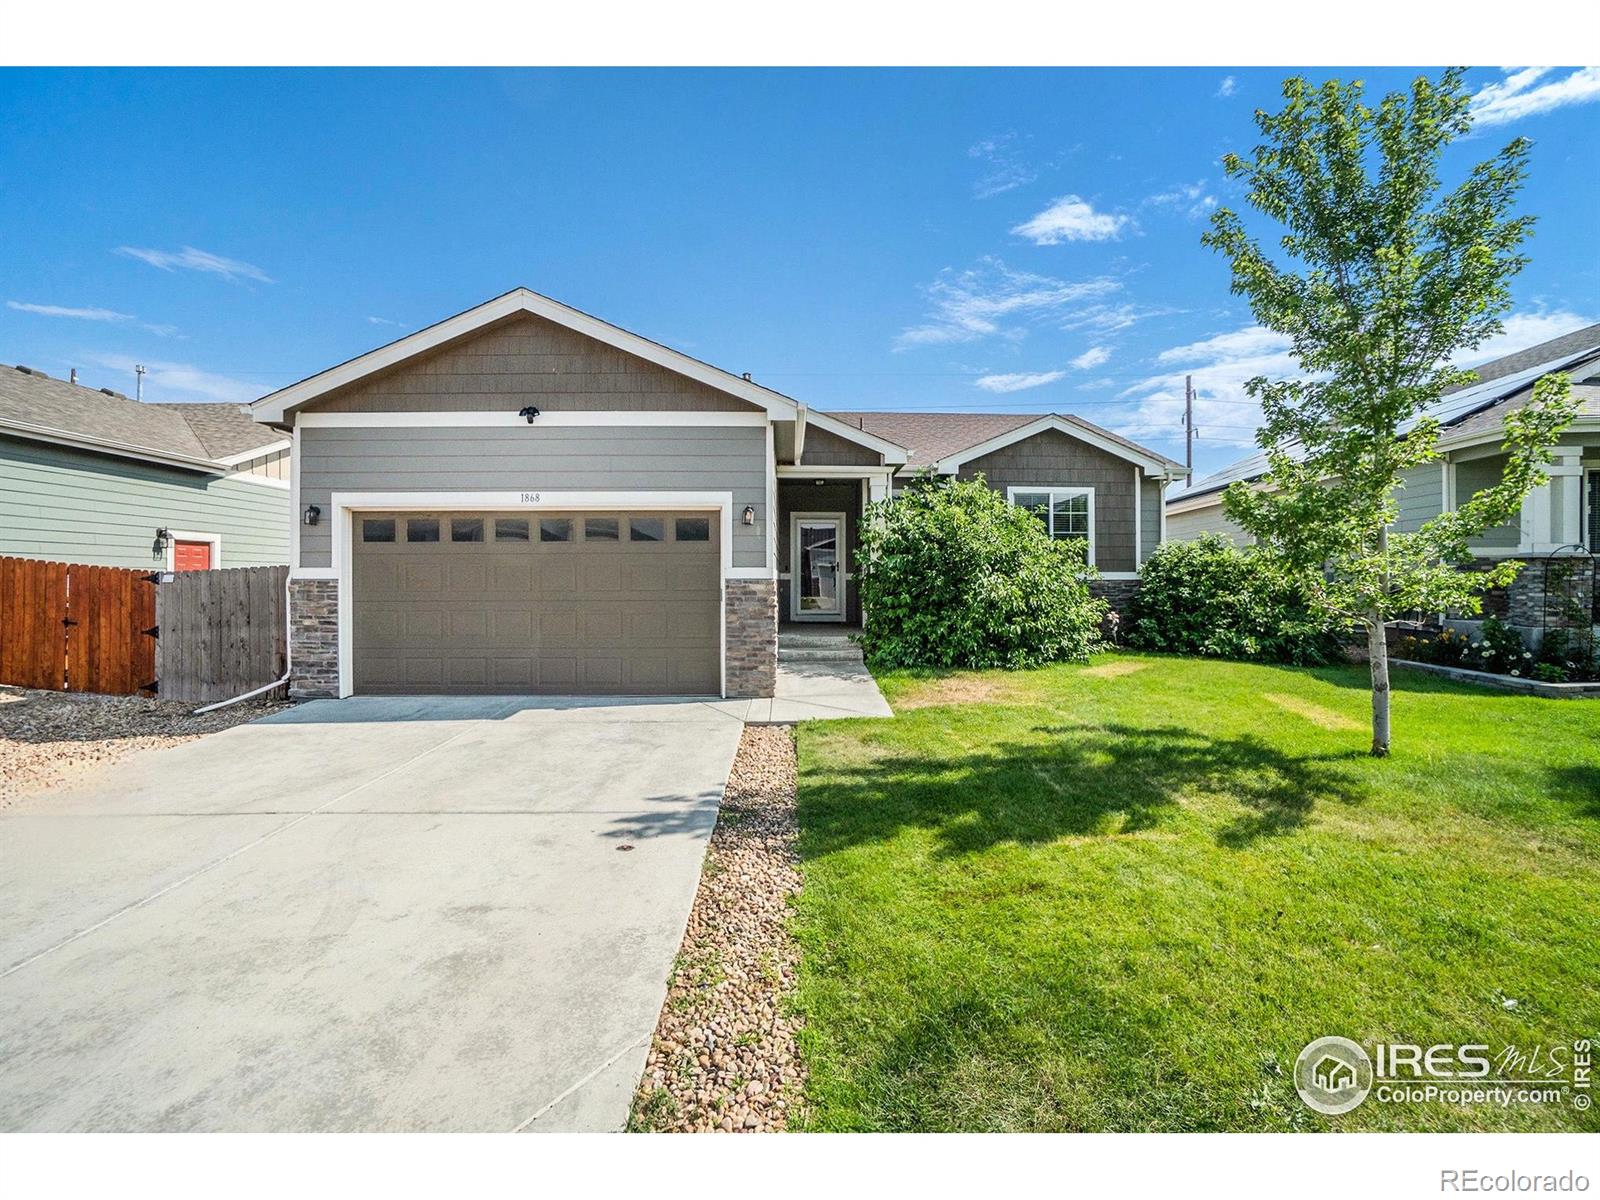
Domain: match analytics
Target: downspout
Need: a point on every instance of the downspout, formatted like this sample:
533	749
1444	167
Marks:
288	662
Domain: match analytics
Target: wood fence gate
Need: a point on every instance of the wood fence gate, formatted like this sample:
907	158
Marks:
67	627
223	633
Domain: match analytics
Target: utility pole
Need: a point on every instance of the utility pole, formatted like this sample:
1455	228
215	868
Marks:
1189	431
138	381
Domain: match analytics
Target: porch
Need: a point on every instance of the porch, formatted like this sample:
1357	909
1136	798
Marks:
819	524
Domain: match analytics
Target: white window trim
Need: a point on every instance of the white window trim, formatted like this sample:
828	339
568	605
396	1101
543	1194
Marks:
843	615
174	536
345	505
1053	492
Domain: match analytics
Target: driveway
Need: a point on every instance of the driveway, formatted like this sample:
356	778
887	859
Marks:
395	914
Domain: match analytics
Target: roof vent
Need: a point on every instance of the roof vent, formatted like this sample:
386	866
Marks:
32	371
746	377
107	392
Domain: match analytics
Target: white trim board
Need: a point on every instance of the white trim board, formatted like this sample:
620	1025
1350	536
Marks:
276	407
415	420
1053	492
345	505
1152	464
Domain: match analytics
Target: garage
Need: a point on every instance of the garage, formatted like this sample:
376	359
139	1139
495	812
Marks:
536	602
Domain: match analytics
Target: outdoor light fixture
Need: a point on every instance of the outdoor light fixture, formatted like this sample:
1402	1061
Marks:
528	414
749	514
163	540
311	514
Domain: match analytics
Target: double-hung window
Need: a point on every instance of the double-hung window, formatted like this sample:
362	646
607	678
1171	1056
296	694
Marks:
1067	512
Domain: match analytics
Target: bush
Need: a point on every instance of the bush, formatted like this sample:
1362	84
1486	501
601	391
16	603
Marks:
1210	598
1566	656
951	575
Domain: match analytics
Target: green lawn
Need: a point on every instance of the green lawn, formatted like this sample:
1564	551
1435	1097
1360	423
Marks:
1124	897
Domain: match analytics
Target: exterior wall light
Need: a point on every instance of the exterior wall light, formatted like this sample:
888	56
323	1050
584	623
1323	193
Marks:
528	414
749	514
311	515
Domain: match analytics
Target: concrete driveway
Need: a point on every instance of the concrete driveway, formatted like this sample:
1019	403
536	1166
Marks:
396	914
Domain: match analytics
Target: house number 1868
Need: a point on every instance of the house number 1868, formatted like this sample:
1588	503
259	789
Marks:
530	498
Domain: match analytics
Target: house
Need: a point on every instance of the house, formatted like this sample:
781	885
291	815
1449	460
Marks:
89	476
524	498
1558	530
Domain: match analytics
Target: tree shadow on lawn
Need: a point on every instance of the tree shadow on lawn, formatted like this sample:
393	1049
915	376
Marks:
1084	781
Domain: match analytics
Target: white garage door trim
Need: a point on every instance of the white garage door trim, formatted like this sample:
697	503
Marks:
346	504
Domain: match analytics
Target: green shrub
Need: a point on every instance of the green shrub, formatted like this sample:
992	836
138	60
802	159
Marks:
951	575
1210	598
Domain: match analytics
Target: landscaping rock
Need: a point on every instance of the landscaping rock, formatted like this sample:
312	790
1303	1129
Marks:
724	1056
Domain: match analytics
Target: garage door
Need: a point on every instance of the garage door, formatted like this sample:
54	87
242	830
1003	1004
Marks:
583	603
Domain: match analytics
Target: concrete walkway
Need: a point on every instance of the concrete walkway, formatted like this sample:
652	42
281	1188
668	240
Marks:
369	914
820	691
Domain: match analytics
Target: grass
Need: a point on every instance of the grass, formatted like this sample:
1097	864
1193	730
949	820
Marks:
1125	896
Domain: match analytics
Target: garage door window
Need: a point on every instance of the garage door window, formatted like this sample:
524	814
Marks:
422	529
377	529
466	529
599	529
693	529
555	529
647	529
511	529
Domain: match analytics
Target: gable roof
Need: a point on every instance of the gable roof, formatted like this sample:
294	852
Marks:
1472	412
276	407
944	441
200	437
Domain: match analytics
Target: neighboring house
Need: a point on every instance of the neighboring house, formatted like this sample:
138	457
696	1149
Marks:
1560	520
523	498
90	476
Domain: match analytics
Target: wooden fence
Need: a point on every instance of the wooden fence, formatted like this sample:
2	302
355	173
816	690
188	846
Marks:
199	637
68	627
223	633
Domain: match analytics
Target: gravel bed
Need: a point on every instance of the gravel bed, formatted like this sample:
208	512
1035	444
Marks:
52	739
724	1056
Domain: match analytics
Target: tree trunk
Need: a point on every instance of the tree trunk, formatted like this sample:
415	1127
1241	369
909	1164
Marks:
1378	656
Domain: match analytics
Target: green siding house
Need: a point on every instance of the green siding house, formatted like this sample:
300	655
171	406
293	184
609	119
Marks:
90	476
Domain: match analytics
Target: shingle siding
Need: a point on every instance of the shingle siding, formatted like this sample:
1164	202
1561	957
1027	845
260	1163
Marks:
528	360
1052	459
554	459
824	448
77	506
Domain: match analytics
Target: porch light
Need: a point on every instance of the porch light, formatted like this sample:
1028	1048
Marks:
163	540
749	514
310	516
528	414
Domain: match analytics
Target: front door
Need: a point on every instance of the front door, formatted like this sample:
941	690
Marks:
819	568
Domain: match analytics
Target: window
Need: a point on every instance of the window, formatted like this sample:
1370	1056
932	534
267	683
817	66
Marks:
466	529
1068	513
377	529
511	529
599	529
646	529
693	529
422	529
555	529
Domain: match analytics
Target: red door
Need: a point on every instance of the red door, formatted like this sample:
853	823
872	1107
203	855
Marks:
191	556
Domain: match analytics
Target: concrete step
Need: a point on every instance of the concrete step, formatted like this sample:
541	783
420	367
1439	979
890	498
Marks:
814	641
798	654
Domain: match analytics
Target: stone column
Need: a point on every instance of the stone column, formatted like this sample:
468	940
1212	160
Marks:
313	638
752	637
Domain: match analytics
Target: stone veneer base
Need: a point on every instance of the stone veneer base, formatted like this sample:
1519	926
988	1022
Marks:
313	639
752	634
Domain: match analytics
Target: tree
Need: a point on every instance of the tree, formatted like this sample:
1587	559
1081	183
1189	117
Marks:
1388	281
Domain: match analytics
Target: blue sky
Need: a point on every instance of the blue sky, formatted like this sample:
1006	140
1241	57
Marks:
1005	240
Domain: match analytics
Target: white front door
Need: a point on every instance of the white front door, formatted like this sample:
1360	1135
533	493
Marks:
818	573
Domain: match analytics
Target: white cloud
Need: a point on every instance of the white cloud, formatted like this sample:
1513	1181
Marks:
385	321
89	314
190	259
1005	166
1224	414
1516	96
1192	199
1070	219
174	381
1227	87
992	300
1019	382
1523	330
61	310
1095	356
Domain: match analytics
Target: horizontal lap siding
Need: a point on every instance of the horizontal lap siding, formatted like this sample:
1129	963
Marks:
1052	459
81	507
1192	525
1420	497
1472	476
531	458
529	360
